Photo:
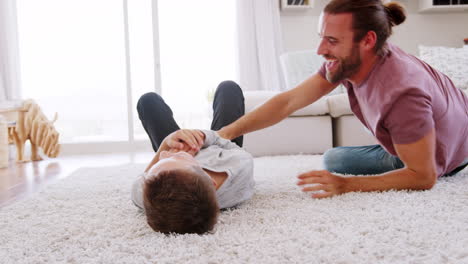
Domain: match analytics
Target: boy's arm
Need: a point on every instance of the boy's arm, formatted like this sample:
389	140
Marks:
212	138
156	157
188	140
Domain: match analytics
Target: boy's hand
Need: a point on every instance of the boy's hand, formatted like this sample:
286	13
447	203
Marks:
189	140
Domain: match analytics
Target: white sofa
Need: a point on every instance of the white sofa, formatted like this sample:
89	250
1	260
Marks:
318	127
308	130
314	129
329	122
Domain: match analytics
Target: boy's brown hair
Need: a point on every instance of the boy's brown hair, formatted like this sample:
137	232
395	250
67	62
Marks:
180	201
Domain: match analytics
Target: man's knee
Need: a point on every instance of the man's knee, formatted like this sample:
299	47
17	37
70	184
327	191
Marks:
333	160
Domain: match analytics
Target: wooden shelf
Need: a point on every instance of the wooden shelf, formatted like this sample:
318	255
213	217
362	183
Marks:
428	6
296	4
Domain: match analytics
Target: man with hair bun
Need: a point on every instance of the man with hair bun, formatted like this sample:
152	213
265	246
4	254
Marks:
418	116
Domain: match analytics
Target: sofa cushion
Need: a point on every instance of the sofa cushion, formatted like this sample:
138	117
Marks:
349	131
299	65
453	62
339	105
254	99
292	136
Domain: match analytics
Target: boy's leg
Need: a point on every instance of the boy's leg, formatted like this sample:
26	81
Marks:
156	117
363	160
228	106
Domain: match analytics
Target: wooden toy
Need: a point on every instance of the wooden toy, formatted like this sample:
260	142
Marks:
34	126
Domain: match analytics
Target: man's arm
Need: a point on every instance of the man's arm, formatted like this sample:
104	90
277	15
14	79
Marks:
279	107
419	173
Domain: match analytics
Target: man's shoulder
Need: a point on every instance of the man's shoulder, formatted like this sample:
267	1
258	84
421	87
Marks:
399	71
401	63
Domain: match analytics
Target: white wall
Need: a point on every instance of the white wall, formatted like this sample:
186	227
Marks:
431	29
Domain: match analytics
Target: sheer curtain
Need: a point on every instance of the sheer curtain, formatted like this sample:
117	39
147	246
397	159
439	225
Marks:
9	58
260	45
80	67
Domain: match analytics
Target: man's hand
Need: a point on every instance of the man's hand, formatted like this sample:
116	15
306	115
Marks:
419	173
324	181
189	140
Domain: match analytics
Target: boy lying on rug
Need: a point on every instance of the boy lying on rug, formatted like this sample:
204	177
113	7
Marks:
194	173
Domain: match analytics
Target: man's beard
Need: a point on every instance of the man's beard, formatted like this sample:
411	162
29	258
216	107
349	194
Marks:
346	67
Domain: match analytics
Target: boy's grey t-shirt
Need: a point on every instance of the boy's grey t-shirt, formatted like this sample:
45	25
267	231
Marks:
219	155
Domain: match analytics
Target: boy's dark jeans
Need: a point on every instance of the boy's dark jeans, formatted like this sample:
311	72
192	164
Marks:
158	121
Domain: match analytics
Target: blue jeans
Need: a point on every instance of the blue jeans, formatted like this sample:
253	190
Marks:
366	160
362	160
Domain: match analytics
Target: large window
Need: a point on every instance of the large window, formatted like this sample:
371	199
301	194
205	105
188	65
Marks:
90	61
197	43
73	63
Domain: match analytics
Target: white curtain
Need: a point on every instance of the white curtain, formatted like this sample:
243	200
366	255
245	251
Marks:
9	55
259	45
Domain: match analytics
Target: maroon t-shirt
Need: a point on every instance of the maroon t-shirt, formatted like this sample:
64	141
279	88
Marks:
403	98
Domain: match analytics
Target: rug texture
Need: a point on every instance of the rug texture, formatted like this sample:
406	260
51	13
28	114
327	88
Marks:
89	218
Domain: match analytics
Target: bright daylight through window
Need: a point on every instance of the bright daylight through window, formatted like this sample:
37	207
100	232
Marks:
198	49
73	61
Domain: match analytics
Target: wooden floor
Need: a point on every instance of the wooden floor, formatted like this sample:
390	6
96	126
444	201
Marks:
22	179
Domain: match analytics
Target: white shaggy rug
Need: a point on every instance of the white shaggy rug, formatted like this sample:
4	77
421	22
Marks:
89	218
